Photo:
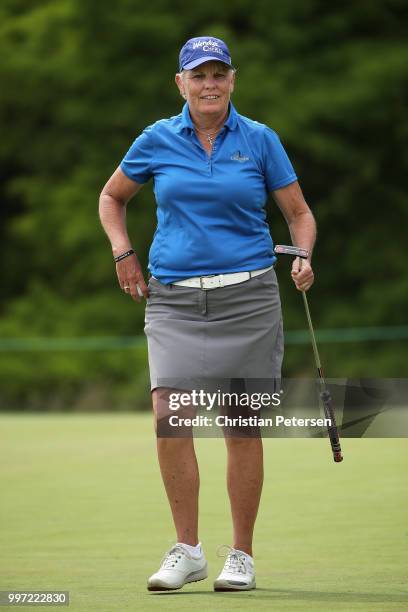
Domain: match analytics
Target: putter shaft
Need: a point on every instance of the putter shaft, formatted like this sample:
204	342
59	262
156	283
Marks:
324	392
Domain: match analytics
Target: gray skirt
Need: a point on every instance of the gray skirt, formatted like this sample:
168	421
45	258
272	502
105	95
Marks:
224	333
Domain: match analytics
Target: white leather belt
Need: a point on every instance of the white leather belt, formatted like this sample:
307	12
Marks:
220	280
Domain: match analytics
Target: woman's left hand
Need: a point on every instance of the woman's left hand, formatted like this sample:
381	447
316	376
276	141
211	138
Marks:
302	274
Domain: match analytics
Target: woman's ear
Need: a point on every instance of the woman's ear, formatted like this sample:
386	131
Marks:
232	82
179	82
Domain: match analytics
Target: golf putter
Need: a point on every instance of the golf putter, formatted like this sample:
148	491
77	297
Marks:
325	396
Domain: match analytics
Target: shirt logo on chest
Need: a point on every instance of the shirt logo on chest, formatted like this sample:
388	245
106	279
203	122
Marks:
237	156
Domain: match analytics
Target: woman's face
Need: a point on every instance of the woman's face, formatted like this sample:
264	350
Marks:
207	88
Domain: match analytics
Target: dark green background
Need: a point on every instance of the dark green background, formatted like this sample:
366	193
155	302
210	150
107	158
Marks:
81	78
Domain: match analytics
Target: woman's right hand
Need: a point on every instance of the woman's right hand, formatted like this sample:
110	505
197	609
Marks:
130	277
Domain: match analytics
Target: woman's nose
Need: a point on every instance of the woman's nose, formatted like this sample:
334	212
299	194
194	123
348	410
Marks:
209	82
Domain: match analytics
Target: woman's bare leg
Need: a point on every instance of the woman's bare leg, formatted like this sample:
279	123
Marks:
244	480
179	470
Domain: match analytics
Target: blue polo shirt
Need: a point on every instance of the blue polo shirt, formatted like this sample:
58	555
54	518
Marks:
210	209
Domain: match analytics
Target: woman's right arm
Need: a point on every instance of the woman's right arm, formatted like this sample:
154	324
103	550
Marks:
112	212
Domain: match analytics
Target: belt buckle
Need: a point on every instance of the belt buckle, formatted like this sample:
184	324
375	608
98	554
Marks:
201	281
210	276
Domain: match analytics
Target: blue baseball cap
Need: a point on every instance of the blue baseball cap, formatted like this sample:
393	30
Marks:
202	49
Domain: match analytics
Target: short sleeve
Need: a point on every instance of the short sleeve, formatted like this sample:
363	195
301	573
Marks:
278	169
137	163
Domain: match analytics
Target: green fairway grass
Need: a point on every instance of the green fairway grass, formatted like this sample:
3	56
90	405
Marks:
83	509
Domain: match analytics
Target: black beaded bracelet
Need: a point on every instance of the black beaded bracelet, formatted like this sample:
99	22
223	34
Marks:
120	257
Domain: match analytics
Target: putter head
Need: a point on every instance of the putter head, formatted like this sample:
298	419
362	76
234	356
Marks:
282	249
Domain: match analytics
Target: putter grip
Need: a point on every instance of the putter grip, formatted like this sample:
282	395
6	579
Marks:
332	428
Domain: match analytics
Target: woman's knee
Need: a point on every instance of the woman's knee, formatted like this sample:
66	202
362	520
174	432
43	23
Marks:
236	444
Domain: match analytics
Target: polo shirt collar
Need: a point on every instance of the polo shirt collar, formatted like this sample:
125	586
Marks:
185	118
231	122
186	122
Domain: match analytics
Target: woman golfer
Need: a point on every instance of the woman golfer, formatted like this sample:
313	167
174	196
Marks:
213	307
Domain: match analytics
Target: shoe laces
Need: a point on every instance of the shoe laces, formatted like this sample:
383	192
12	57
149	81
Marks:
172	557
235	562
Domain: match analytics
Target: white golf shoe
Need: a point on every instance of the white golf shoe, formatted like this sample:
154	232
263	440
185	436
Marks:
238	573
178	567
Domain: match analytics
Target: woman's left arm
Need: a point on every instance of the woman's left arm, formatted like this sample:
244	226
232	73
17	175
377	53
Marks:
302	229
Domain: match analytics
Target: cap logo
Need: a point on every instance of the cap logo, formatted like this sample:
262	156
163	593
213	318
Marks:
208	45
